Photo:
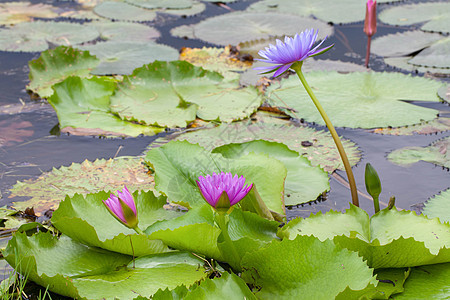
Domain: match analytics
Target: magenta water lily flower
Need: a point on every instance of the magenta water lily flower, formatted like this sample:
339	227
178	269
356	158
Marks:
223	190
123	207
294	49
370	22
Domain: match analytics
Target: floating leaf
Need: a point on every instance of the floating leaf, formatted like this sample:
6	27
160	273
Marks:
220	60
178	164
317	146
434	15
303	182
37	36
343	11
87	220
437	153
74	270
246	26
55	65
358	100
403	43
124	12
83	108
427	282
126	32
117	57
402	63
437	125
444	93
173	93
382	239
309	269
438	206
390	282
88	177
165	4
436	56
17	12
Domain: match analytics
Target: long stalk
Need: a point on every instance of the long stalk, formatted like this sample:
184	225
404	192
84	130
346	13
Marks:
222	221
297	67
368	51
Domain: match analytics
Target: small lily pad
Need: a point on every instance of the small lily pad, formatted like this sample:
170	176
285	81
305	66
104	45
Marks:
402	63
435	126
196	8
379	97
164	4
123	57
17	12
435	16
126	32
246	26
444	93
343	11
124	12
316	146
438	206
88	177
437	153
38	36
436	56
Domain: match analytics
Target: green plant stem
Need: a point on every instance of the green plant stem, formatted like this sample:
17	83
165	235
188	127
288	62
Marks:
138	230
376	204
222	221
297	67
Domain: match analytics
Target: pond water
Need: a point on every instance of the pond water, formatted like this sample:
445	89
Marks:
37	147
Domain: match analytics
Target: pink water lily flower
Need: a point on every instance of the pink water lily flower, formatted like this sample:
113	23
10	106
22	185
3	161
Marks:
296	49
223	190
123	207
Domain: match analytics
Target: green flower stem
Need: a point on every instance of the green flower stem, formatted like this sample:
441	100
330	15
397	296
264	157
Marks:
376	204
297	67
138	230
222	220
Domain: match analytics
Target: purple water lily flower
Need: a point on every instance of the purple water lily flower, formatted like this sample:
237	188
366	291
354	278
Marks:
223	185
123	207
283	55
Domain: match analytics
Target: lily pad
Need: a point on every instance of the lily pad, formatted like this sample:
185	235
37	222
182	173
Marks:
126	32
435	126
196	8
437	153
403	43
123	57
17	12
124	12
55	65
444	93
436	56
246	26
38	36
220	60
316	146
87	220
435	16
74	270
173	93
165	4
402	63
390	282
303	183
83	108
310	269
344	11
427	282
438	206
358	100
382	239
51	188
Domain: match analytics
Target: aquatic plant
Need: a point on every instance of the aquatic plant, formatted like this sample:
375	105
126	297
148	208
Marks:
370	25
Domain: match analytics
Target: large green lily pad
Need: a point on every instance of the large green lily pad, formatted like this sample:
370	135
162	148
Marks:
173	93
83	108
316	146
17	12
247	26
303	181
343	11
358	100
438	206
437	153
47	191
54	65
74	270
435	16
122	57
123	11
382	239
310	269
38	36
